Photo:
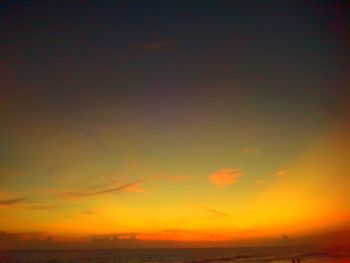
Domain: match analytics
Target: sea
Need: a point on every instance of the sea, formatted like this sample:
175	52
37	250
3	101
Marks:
197	255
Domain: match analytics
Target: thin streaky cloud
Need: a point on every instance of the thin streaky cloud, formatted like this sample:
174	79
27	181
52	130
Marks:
214	211
111	180
22	203
136	188
251	150
124	187
47	208
156	46
100	192
89	212
160	46
12	201
133	188
175	230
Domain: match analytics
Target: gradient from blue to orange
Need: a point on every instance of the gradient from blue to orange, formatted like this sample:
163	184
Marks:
181	121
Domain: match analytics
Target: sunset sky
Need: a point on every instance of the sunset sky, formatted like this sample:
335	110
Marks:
174	120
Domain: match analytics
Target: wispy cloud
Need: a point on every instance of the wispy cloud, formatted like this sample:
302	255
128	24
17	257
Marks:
225	176
23	203
281	173
214	211
251	150
42	207
157	46
132	186
112	180
12	201
136	188
89	212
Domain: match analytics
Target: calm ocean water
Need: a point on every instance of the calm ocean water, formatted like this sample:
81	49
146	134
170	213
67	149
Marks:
207	255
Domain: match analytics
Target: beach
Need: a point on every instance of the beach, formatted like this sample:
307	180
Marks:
197	255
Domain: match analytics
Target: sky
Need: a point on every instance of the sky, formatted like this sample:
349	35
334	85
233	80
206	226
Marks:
183	121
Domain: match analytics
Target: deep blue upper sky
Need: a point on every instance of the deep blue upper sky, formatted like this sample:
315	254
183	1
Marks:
160	62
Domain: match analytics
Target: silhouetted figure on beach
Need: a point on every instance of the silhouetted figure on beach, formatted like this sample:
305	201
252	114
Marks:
298	260
293	260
